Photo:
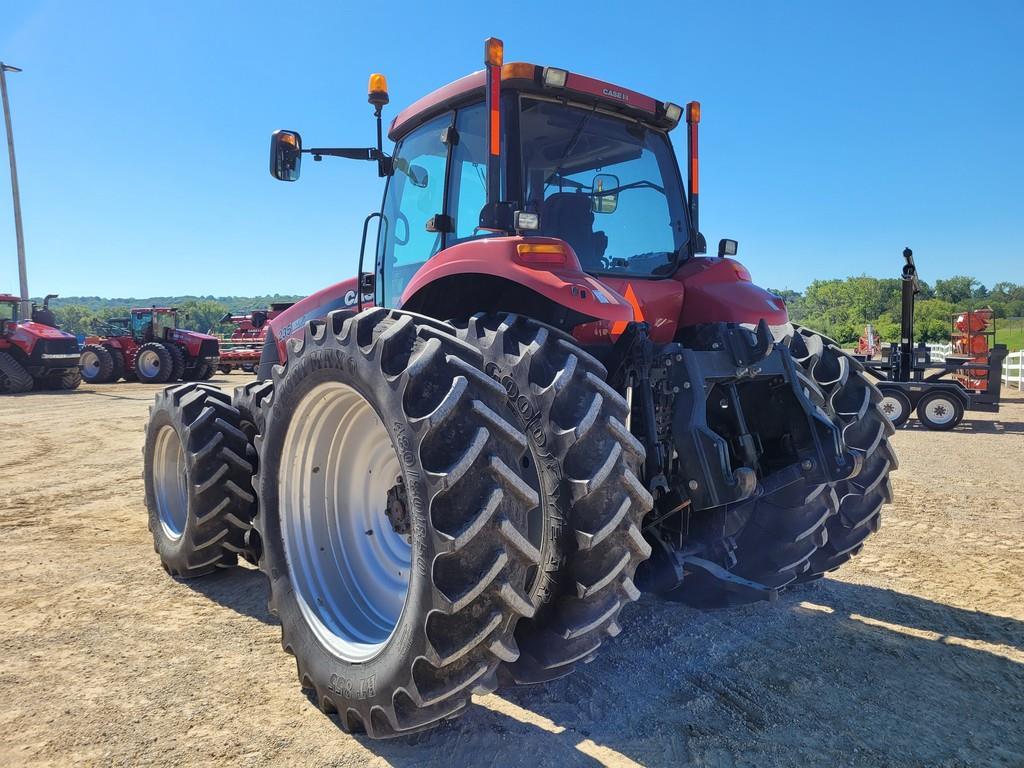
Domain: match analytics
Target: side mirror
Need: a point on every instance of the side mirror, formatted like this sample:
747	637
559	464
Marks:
367	283
727	247
285	155
605	203
418	176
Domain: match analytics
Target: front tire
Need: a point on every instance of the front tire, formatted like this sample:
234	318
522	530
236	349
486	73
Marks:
177	361
198	475
428	514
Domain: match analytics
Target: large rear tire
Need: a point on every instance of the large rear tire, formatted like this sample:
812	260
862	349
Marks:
14	379
177	361
426	512
117	358
198	476
856	403
153	363
96	363
586	464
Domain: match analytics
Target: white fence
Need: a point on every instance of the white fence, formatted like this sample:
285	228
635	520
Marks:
1013	365
1013	370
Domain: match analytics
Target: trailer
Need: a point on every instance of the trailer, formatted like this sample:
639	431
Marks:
940	392
243	348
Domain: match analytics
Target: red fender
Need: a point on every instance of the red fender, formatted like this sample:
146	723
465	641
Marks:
719	290
565	284
291	321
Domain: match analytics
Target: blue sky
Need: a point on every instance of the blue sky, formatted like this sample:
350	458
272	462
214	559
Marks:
833	134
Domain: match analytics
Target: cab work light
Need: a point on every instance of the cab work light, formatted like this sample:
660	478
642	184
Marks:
494	52
543	255
555	78
673	112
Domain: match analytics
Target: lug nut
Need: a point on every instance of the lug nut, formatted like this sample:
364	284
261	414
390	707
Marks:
807	465
693	485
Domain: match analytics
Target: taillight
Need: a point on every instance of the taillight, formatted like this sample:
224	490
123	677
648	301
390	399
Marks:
542	255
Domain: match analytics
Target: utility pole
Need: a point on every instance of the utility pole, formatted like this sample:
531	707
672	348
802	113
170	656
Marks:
26	305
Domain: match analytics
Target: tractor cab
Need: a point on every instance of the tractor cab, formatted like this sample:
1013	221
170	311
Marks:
8	312
532	189
153	324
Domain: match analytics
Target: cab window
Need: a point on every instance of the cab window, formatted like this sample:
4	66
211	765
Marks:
142	324
468	183
8	312
414	195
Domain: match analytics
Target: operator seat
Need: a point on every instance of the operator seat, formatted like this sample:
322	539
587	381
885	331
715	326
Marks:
569	216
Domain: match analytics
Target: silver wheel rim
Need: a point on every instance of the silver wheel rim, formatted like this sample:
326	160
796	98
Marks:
149	363
348	566
892	407
939	410
170	482
90	364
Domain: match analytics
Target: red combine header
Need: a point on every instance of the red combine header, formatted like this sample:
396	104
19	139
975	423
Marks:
242	349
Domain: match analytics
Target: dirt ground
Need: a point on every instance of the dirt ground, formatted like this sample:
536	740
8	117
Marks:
913	655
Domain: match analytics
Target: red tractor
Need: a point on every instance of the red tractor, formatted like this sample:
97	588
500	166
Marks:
149	346
540	400
243	348
34	353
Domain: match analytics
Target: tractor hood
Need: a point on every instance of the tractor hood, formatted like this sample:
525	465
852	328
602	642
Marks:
31	329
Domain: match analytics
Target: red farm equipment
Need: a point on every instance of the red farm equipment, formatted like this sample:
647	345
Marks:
34	353
968	379
242	349
540	399
148	346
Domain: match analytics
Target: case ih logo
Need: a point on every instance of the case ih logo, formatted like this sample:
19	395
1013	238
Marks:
613	94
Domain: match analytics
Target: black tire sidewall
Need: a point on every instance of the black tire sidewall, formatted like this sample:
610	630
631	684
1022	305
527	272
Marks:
172	551
374	680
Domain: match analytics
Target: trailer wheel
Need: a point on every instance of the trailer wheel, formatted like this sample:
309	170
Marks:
398	574
97	364
940	410
153	363
225	369
14	379
198	476
587	466
177	360
895	406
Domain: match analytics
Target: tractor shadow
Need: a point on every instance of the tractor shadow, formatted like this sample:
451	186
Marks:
832	674
242	589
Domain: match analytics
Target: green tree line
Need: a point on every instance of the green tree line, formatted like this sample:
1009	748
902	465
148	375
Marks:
841	308
84	315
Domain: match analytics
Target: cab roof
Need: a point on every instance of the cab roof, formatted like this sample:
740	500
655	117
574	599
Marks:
530	78
7	298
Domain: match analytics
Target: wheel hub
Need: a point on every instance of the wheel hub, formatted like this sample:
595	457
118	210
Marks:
348	564
397	509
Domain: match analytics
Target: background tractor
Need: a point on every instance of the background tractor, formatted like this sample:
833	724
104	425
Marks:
149	346
34	353
540	399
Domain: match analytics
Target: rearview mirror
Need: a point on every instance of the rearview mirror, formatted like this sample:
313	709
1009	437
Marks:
727	247
605	203
418	176
285	155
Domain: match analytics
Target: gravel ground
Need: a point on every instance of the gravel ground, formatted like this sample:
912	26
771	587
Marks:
913	655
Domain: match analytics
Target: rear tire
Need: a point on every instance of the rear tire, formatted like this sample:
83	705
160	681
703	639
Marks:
587	464
855	400
117	357
153	363
198	476
407	382
177	361
14	379
97	364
